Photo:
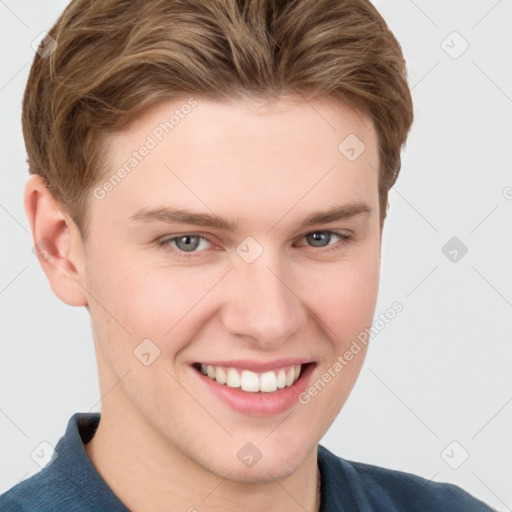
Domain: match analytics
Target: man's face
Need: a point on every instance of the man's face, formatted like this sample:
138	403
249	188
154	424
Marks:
271	289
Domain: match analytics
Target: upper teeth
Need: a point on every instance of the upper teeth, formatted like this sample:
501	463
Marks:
252	381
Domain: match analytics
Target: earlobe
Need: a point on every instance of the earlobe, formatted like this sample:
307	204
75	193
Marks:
57	243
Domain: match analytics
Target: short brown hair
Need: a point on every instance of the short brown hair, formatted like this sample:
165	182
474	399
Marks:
115	58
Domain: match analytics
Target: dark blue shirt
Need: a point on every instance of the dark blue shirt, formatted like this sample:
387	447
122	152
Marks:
70	483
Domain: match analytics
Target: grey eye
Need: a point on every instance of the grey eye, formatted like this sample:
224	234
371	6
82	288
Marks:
187	243
319	238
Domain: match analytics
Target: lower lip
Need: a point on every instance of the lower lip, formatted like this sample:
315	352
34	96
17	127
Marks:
260	404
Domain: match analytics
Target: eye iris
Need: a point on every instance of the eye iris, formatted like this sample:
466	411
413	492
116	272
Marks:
319	239
187	243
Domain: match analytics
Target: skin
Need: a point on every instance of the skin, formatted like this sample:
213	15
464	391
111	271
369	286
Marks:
165	442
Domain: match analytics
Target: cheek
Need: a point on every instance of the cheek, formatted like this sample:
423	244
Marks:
159	302
345	298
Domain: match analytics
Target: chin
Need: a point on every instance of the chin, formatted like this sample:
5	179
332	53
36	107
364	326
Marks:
262	471
248	464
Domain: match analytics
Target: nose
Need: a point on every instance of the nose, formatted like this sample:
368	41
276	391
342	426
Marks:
262	304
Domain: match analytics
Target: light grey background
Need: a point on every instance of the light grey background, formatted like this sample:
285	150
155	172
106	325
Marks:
439	372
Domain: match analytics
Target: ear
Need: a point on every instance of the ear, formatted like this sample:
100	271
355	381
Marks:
57	243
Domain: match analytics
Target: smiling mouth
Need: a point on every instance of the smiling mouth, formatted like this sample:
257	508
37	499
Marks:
253	382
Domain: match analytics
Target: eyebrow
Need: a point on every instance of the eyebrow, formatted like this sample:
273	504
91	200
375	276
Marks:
183	216
342	212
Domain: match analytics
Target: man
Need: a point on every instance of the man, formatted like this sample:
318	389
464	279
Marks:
210	180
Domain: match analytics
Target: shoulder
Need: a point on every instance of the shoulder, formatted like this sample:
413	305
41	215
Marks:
378	488
407	491
39	492
69	481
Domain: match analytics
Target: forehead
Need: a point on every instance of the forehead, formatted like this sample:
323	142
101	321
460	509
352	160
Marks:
246	158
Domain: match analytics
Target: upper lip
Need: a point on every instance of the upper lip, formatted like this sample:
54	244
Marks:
258	366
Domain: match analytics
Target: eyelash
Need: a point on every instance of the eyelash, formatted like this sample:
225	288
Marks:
165	243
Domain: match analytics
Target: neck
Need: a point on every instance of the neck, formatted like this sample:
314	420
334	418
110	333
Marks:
147	474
